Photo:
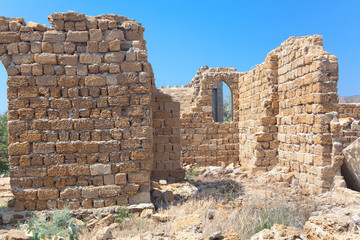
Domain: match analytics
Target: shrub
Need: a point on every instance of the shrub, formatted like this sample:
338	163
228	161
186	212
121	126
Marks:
122	215
60	225
192	173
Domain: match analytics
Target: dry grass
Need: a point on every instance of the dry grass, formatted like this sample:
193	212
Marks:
221	205
246	218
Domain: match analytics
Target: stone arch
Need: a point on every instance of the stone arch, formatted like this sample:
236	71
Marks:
204	141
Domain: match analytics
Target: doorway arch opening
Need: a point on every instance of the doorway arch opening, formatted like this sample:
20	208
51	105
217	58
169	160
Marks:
222	103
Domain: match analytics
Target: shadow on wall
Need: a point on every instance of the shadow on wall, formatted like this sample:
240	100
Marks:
167	148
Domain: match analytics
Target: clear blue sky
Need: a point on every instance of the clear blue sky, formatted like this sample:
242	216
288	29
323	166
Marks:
184	35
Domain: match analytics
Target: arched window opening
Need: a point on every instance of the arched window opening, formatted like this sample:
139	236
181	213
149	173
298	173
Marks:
222	103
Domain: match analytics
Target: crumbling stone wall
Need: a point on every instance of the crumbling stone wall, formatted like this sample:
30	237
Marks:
185	95
204	141
80	116
346	130
349	110
283	110
86	121
307	86
347	124
258	107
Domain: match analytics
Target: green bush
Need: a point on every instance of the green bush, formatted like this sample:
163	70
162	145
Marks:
123	214
4	164
191	174
60	225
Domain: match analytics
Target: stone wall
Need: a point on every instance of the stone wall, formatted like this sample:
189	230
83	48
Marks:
349	110
347	127
88	128
258	107
184	95
204	141
80	126
307	87
283	110
167	148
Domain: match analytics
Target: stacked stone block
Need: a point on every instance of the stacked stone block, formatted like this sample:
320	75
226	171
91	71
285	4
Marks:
349	110
80	126
86	120
185	95
167	148
307	86
258	108
347	126
283	109
204	141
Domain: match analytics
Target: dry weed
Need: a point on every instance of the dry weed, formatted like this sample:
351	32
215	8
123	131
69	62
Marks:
250	217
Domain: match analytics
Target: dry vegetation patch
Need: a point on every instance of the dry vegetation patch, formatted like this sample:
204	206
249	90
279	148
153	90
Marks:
218	203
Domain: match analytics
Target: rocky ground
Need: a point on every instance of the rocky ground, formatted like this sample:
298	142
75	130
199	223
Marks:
227	203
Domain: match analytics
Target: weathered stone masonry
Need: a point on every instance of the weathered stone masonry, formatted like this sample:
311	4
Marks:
88	128
80	116
283	112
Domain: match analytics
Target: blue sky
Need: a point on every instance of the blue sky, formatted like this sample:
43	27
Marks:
184	35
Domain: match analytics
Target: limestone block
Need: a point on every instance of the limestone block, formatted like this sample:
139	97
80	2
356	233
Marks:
45	58
142	197
95	35
56	171
77	36
100	169
114	57
88	147
19	149
109	191
95	81
64	124
120	179
115	46
54	36
23	59
68	60
109	180
60	103
139	177
15	234
48	194
9	37
111	35
79	170
90	59
44	147
351	165
82	103
131	67
90	192
70	193
31	136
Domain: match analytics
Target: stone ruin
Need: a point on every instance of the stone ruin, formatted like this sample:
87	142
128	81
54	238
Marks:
89	129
